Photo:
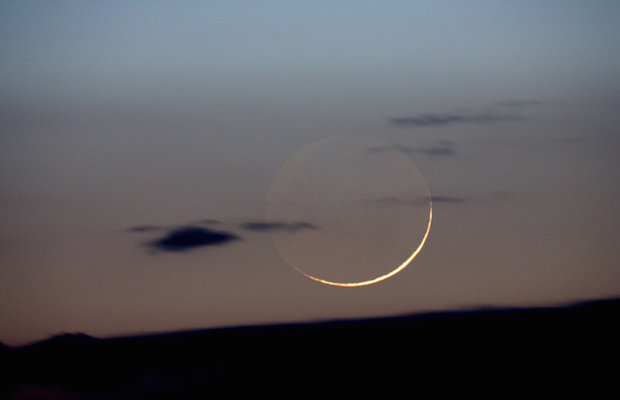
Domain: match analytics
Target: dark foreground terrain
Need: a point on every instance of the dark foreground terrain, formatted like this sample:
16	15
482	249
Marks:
570	350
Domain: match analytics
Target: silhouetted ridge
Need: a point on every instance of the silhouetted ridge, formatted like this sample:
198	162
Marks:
507	346
63	341
3	348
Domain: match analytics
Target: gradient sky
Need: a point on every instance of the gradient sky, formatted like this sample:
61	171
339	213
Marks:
156	115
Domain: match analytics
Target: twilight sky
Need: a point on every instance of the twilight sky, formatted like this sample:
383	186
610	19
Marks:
164	163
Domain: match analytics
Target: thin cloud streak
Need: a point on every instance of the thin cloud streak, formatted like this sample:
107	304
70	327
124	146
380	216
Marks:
520	103
209	221
420	201
430	120
443	199
448	199
442	149
144	228
262	226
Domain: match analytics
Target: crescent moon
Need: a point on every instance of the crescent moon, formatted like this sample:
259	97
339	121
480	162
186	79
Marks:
389	274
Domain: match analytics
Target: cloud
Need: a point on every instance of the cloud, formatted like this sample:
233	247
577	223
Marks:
143	228
422	200
430	120
444	148
520	103
419	201
498	195
190	237
262	226
437	151
209	221
448	199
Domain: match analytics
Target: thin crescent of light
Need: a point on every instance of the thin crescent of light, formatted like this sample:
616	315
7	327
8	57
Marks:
389	274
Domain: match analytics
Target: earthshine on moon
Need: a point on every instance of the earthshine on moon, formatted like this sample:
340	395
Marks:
363	203
388	275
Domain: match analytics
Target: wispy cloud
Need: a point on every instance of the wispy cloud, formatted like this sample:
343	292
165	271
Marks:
520	103
444	148
191	237
266	226
430	120
418	201
448	199
144	228
443	199
187	237
209	221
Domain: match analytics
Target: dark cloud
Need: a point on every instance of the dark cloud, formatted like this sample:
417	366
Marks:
443	149
520	103
143	228
190	237
263	226
429	120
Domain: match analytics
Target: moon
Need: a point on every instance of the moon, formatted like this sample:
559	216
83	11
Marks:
365	208
385	276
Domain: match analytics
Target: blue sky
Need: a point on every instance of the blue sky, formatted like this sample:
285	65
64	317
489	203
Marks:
143	49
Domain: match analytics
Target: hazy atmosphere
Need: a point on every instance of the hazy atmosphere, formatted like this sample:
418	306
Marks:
176	165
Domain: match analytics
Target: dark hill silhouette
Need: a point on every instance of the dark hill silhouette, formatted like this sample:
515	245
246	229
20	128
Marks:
64	341
546	350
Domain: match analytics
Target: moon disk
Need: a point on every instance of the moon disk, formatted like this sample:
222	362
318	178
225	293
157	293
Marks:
363	209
